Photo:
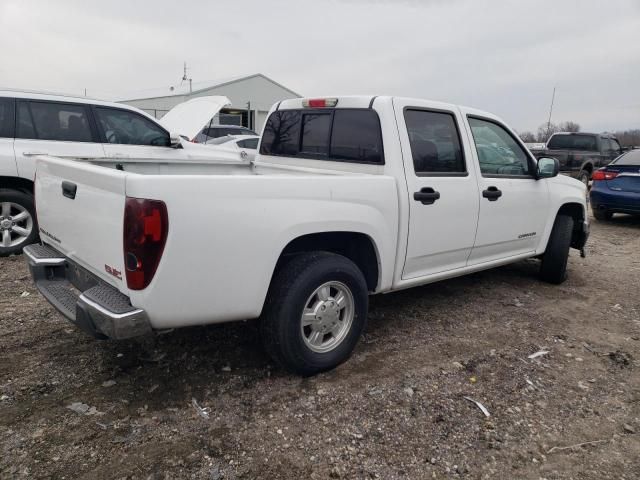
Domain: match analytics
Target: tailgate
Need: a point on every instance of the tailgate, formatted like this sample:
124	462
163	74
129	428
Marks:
80	211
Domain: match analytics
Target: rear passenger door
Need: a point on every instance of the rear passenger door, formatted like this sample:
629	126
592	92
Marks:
7	156
442	186
513	204
53	128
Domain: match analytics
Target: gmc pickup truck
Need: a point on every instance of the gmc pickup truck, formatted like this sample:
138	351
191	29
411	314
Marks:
580	154
347	197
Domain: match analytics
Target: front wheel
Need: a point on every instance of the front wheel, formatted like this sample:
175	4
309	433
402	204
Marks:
17	221
315	312
556	256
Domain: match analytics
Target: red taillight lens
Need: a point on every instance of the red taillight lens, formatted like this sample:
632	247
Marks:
603	175
146	225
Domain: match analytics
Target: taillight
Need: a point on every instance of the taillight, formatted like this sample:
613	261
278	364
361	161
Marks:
319	102
146	224
603	175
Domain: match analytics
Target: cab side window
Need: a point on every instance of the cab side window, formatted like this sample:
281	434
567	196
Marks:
53	121
498	152
435	143
128	128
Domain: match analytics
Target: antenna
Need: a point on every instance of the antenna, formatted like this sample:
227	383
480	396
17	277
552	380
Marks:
553	96
186	78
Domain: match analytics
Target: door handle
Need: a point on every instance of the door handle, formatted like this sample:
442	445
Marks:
427	196
33	154
492	194
69	189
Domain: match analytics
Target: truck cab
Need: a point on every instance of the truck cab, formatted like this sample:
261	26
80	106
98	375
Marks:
348	196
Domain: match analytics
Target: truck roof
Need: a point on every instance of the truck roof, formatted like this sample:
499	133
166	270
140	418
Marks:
604	135
368	101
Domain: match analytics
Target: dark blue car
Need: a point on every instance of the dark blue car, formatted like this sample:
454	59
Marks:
616	187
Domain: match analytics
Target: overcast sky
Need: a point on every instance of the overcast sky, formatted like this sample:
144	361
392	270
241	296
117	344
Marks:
498	55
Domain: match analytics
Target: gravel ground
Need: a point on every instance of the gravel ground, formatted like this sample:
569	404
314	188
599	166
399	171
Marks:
207	403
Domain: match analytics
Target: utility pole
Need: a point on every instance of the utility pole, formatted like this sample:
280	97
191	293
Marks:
553	96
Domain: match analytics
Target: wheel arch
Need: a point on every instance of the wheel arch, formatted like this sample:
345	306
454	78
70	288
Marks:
16	183
577	212
358	247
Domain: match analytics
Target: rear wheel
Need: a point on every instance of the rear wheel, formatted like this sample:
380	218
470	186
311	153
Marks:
602	215
315	312
17	221
555	257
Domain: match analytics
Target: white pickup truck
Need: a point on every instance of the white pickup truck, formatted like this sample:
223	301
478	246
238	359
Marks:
347	197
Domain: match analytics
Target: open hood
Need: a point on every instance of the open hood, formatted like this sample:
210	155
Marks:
189	117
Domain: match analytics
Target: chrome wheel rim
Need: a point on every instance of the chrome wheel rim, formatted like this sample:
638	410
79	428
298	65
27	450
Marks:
16	224
327	317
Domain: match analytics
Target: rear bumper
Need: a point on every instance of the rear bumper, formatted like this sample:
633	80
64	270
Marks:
89	303
602	198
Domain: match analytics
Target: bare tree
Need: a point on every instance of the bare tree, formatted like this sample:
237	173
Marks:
628	138
527	137
569	126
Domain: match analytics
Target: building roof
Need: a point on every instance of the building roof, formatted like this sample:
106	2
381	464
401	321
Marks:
196	87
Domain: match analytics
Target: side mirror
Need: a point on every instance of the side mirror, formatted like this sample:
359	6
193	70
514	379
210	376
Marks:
548	167
175	140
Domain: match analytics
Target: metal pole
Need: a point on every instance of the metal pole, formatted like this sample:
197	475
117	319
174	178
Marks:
248	114
553	96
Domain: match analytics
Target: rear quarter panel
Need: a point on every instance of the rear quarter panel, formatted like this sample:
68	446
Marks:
226	234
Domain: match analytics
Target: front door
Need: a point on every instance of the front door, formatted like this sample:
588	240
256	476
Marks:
513	204
442	188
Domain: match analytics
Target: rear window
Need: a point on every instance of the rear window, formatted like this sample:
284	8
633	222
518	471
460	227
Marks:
629	158
573	142
6	117
217	132
343	135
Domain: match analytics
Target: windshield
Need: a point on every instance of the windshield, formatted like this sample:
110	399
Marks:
629	158
573	142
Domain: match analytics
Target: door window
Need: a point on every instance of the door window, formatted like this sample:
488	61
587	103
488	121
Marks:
435	143
615	146
128	128
498	152
6	117
53	121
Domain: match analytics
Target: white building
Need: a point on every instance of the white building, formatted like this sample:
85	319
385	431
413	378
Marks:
251	98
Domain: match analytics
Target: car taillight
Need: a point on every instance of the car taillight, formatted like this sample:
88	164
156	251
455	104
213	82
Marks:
603	175
146	225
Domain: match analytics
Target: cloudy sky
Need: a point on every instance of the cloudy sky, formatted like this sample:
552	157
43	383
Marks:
498	55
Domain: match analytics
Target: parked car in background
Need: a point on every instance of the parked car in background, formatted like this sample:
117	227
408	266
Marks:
33	124
216	131
616	187
246	145
580	154
348	196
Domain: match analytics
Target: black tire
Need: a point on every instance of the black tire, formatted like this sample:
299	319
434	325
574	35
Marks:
602	215
584	176
291	287
555	257
24	200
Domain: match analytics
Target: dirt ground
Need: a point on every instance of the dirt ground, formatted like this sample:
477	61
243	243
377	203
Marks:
207	403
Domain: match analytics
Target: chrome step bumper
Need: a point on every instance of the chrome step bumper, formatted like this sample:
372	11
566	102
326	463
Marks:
92	305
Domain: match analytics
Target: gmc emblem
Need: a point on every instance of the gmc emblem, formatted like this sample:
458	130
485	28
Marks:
112	271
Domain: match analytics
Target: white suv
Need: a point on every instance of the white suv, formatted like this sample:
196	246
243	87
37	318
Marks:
32	124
